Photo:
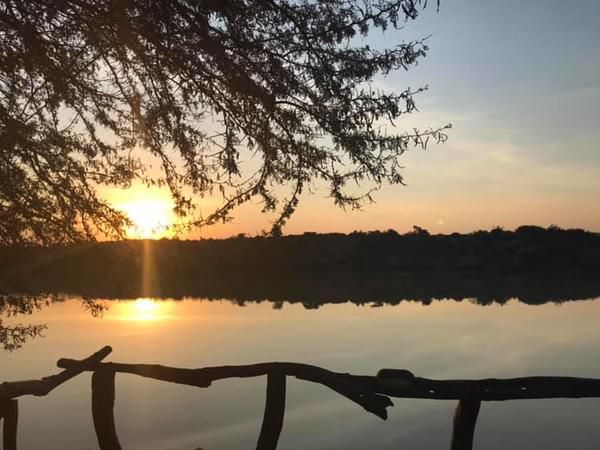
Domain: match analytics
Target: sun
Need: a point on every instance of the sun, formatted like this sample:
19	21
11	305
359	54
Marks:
150	211
151	218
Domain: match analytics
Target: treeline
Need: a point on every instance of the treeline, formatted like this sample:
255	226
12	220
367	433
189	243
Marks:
273	264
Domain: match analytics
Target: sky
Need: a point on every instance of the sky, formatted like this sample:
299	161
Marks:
520	84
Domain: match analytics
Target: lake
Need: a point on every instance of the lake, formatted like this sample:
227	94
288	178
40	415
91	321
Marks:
438	339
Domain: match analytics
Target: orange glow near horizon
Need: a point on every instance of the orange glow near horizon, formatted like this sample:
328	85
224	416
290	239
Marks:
149	209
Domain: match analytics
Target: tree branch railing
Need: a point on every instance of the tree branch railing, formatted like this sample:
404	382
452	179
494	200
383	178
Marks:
370	392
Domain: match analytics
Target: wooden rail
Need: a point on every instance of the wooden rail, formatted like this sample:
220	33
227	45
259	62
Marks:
370	392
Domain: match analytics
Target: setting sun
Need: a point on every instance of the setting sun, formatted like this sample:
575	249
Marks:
151	218
149	209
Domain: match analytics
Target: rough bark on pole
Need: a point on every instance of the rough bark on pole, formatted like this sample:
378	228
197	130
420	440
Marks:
465	418
274	412
9	429
103	402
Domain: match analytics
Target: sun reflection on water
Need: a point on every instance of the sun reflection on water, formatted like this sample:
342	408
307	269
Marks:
143	310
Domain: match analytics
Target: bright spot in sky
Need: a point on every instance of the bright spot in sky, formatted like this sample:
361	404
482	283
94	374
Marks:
151	219
150	210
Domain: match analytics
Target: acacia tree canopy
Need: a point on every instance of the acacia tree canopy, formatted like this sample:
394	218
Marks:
90	88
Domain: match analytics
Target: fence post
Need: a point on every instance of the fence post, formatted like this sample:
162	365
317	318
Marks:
103	402
9	411
274	412
465	418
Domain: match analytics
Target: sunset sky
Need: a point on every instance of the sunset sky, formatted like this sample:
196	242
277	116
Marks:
520	83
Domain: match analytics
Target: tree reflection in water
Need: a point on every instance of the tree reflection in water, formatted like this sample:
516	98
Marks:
312	290
13	336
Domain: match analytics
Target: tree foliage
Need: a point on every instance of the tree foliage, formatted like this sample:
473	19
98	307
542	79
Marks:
90	89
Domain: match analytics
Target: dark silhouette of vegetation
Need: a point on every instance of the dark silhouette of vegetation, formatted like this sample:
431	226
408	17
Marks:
92	91
311	290
530	263
13	336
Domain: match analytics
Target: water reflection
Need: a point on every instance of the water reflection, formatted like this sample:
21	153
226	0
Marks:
315	288
14	334
372	288
141	310
445	339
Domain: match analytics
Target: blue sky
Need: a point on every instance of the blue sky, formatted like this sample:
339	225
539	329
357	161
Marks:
520	82
532	67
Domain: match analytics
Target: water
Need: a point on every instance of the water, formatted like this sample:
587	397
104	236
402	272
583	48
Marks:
445	339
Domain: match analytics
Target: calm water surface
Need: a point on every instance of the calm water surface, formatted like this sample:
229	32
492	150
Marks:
446	339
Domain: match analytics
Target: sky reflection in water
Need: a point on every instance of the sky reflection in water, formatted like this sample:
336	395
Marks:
446	339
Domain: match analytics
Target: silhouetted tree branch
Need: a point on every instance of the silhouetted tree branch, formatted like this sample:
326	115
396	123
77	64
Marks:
14	335
90	90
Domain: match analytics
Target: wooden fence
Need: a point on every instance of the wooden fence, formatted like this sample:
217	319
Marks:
371	392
